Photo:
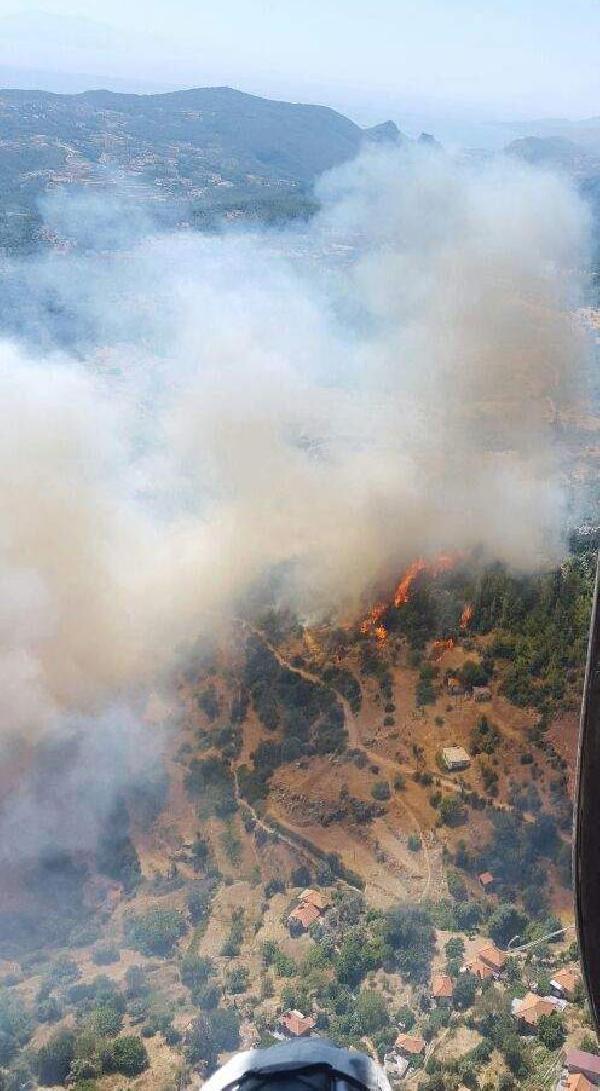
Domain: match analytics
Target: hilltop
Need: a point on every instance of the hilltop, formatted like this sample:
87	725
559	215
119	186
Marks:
181	155
302	759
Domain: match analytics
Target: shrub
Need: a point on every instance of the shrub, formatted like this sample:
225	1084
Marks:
237	980
381	790
53	1061
103	956
452	811
196	971
198	903
155	932
371	1012
105	1021
127	1055
49	1010
414	842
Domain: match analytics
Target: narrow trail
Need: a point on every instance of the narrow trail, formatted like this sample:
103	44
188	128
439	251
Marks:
355	742
273	830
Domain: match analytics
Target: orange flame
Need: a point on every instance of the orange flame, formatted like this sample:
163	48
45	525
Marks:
372	623
466	616
402	591
373	618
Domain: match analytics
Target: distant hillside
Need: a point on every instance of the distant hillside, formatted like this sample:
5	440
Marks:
191	150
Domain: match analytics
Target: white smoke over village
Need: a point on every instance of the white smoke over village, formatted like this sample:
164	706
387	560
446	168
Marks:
238	406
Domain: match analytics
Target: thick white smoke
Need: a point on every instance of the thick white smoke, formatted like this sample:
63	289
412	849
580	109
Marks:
325	404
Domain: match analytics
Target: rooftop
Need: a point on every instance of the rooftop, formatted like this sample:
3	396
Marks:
455	755
565	979
441	986
316	898
579	1061
305	913
410	1043
578	1082
296	1023
492	956
532	1007
480	969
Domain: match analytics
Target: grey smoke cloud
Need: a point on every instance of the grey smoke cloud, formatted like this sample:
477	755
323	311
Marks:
328	403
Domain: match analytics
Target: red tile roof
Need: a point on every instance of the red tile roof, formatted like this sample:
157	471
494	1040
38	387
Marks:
296	1023
441	987
578	1082
532	1007
577	1060
480	969
492	956
316	898
565	979
410	1043
486	878
305	913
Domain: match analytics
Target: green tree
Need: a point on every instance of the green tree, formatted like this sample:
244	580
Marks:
105	1021
237	979
465	990
409	931
155	932
127	1055
551	1030
506	923
225	1028
372	1012
452	811
53	1060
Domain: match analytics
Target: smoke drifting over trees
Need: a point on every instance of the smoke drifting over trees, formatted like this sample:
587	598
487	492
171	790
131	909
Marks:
226	409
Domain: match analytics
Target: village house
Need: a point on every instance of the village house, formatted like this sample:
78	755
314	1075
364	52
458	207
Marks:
311	905
410	1045
577	1082
454	686
442	989
316	898
529	1010
493	958
486	880
479	969
296	1025
487	962
455	758
578	1062
482	693
301	918
564	983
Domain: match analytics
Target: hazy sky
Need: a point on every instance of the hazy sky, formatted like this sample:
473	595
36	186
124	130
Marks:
507	58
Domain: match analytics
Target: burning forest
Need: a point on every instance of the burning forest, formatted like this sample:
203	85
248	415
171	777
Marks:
217	796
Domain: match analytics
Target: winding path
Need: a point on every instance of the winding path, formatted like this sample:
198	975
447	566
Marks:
355	742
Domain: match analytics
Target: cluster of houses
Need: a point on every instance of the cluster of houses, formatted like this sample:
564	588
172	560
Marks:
581	1071
529	1009
487	963
311	906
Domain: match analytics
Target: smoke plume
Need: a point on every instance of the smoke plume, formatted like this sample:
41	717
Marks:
190	414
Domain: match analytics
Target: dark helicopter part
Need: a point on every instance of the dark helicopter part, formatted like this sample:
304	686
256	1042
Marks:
309	1064
586	847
